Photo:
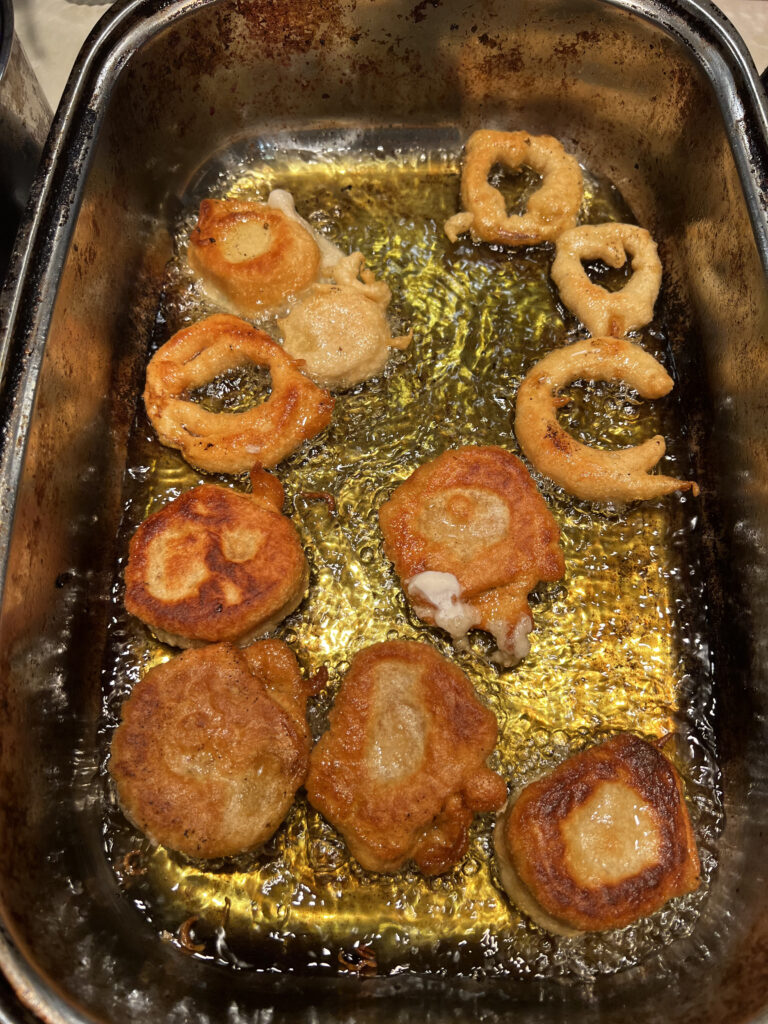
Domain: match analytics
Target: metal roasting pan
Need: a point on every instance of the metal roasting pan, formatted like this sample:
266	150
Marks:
662	98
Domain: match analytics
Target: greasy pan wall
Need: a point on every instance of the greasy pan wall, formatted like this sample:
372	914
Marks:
159	89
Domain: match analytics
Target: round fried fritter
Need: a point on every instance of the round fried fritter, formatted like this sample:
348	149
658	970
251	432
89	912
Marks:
250	255
230	442
215	564
552	208
402	771
206	759
339	331
599	842
470	537
592	473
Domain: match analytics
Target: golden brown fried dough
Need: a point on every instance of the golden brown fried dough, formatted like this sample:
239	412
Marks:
470	537
231	442
207	759
339	331
552	209
599	842
216	564
603	312
250	255
401	772
586	472
274	662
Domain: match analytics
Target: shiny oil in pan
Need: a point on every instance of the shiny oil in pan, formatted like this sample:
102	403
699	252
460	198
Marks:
619	642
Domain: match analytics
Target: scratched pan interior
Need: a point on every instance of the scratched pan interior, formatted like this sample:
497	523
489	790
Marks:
161	92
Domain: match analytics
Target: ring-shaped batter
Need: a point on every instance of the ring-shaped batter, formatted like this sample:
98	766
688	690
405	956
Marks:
603	312
231	442
579	469
250	255
550	210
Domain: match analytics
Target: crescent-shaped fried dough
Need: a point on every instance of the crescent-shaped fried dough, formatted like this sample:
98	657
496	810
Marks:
549	211
215	564
599	842
603	312
339	331
401	772
470	537
212	747
586	472
250	255
231	442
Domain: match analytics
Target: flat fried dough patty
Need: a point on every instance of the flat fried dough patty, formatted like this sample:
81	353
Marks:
474	514
402	771
599	842
251	256
206	760
214	565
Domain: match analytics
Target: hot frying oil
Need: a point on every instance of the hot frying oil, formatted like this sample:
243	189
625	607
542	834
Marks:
619	642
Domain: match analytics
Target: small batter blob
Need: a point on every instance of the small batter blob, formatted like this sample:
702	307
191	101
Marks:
339	330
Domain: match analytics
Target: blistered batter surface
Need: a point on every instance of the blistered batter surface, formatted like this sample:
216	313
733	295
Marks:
620	642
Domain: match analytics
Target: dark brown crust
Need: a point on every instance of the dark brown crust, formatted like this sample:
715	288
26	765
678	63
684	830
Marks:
205	761
534	840
193	529
287	267
424	815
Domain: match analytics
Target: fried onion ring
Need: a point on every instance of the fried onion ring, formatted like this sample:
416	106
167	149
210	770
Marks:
583	471
231	442
250	255
549	211
603	312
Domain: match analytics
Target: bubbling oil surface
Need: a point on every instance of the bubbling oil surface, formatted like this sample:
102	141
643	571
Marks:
619	643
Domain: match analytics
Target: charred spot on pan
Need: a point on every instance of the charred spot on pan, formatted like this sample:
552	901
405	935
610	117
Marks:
419	12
